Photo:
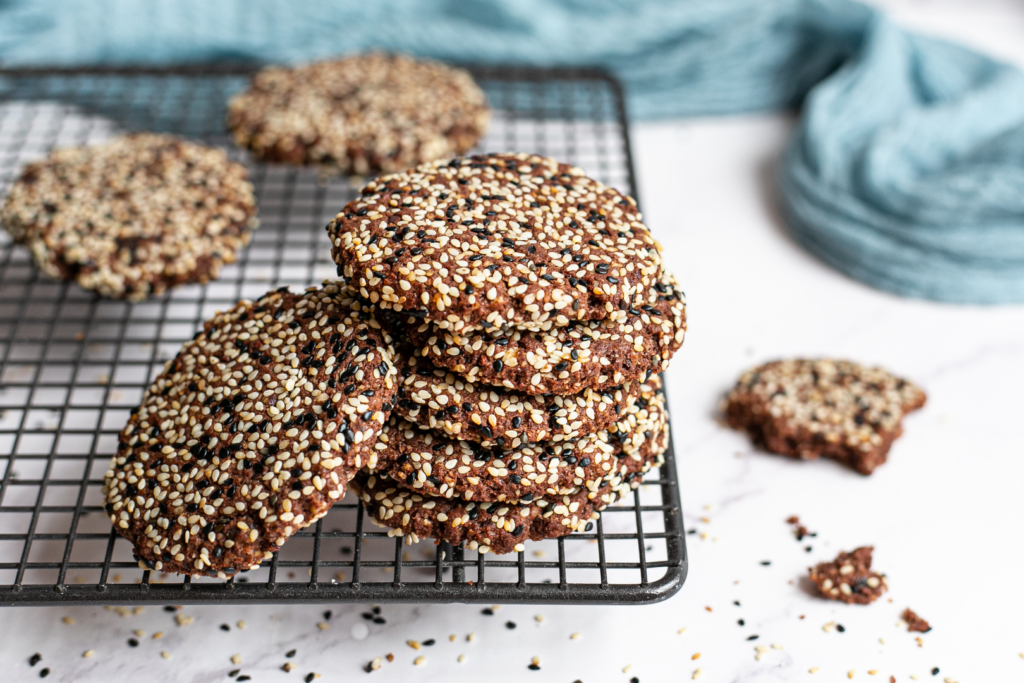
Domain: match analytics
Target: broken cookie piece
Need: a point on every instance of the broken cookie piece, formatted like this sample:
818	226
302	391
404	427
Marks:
849	578
823	408
914	622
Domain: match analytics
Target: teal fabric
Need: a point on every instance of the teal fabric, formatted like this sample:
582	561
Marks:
906	170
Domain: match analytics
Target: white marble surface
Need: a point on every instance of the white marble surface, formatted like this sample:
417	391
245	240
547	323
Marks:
946	514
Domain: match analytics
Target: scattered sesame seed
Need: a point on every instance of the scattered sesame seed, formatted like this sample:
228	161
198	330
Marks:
697	673
575	636
462	659
158	635
420	661
288	667
323	625
813	670
241	624
165	654
539	618
43	673
414	644
510	625
68	620
88	653
236	659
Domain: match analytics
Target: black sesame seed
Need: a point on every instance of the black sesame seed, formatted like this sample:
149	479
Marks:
486	611
533	667
43	673
225	627
310	677
133	642
35	659
754	637
840	628
290	653
380	620
741	622
766	563
244	677
234	672
510	625
428	642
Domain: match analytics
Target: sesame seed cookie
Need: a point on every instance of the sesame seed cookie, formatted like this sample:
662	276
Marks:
498	527
495	240
133	217
849	578
823	408
251	432
438	400
443	467
625	347
361	114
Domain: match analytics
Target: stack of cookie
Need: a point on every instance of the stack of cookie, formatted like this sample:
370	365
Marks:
536	315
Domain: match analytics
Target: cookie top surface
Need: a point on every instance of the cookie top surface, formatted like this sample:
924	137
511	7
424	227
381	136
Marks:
830	401
251	432
632	342
439	466
361	114
494	240
849	578
132	217
439	400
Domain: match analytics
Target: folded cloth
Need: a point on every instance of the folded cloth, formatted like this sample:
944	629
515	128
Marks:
906	171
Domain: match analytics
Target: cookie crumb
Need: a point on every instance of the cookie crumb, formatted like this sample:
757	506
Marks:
914	622
849	578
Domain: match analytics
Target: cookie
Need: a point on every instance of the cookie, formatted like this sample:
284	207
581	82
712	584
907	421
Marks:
625	347
133	217
438	400
439	466
360	114
495	240
849	578
823	408
498	527
251	432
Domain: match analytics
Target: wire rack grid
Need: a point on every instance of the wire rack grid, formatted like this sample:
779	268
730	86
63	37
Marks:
72	365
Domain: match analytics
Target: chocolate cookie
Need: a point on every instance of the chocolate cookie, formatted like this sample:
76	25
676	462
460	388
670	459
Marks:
443	467
494	240
133	217
498	527
823	408
625	347
251	432
360	114
849	578
438	400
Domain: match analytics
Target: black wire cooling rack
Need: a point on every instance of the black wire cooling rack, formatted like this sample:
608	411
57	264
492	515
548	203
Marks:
72	365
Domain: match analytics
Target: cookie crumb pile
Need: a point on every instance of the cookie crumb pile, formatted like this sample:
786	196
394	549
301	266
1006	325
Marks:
823	408
537	314
133	217
360	114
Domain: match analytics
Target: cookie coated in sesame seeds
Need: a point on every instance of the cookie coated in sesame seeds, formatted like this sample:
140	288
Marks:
823	408
251	432
360	114
439	466
498	527
439	400
633	342
132	217
849	578
494	240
